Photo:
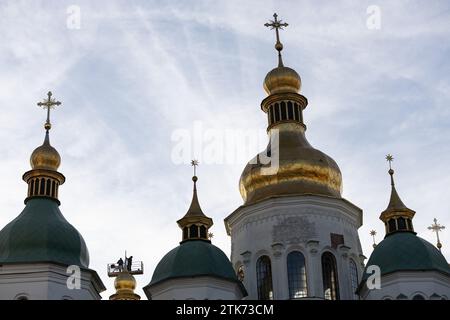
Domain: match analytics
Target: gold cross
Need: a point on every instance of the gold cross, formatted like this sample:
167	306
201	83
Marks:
277	25
194	163
437	228
48	104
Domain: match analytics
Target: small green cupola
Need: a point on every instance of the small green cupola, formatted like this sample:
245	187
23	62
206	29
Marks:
195	256
44	179
41	233
195	224
397	217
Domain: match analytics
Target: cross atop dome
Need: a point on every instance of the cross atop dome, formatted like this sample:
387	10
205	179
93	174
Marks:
48	104
277	25
437	228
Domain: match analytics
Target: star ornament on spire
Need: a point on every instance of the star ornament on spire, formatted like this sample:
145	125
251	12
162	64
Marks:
389	159
49	103
194	163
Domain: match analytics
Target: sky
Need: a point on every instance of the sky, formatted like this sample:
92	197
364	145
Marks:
146	86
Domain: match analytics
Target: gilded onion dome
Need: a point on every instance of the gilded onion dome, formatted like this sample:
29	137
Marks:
41	233
282	79
45	156
125	284
289	165
301	170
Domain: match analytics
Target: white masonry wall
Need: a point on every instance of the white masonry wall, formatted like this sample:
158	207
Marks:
41	281
402	285
195	288
279	225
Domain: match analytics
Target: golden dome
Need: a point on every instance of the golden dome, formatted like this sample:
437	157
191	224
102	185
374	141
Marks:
292	166
45	156
301	170
125	285
125	281
282	79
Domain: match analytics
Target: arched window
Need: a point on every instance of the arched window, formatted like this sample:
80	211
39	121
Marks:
391	224
330	277
48	188
203	232
296	275
290	111
264	278
21	296
297	114
410	227
193	231
277	112
401	222
283	111
353	278
53	188
32	187
36	187
272	117
418	297
42	187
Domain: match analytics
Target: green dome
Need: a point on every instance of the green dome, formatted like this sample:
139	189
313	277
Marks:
194	258
42	234
404	251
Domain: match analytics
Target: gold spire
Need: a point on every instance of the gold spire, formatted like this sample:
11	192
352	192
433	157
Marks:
437	228
44	179
397	217
195	224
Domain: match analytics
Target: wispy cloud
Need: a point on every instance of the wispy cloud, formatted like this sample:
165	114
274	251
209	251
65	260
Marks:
137	71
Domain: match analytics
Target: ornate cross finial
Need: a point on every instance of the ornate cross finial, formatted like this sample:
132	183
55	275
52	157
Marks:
437	228
194	163
210	235
277	25
373	233
48	104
